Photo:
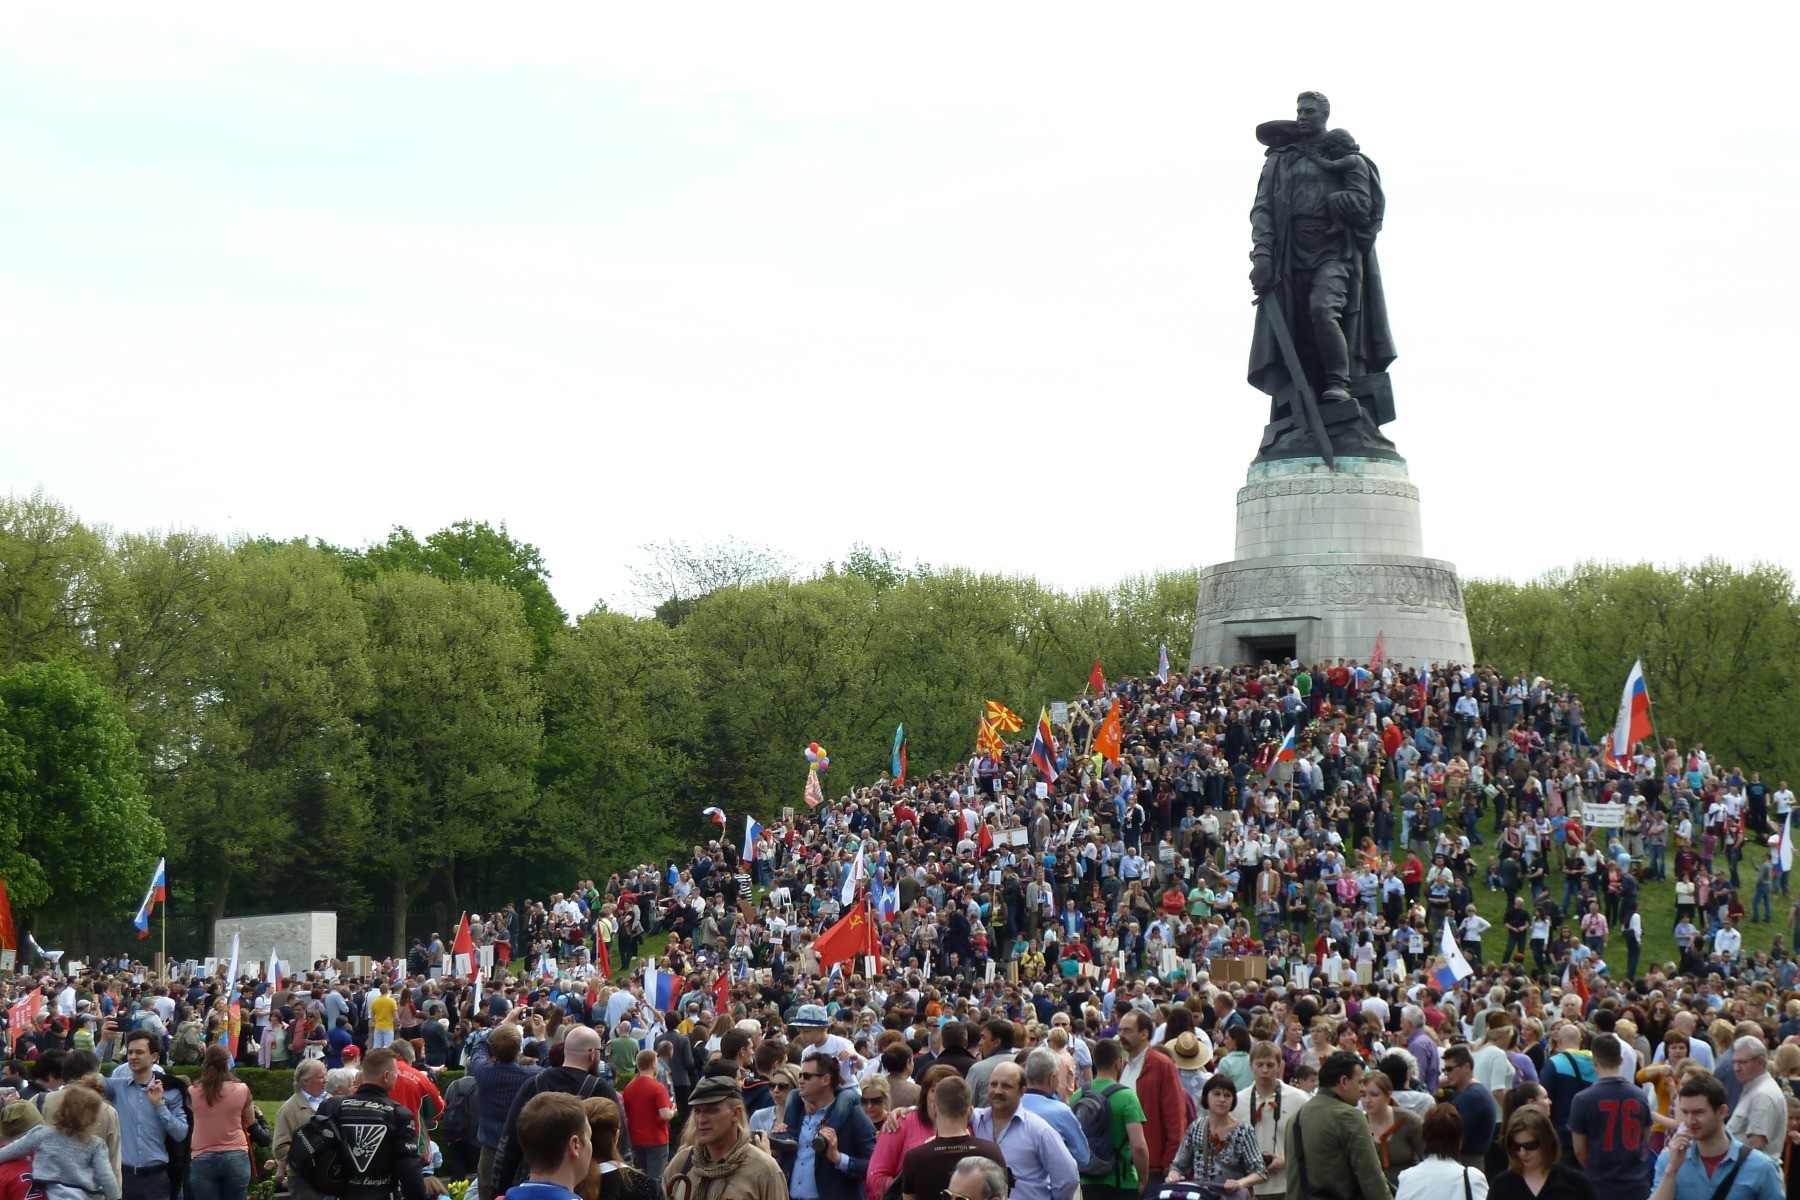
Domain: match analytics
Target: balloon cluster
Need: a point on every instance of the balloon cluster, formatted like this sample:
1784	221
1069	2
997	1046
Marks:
815	757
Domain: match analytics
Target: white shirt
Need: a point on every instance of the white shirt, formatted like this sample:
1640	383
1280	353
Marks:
1440	1177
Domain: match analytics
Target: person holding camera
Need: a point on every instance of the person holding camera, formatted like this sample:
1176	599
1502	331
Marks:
822	1139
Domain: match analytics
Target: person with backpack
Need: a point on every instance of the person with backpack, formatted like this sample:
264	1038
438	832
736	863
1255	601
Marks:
578	1077
363	1146
456	1129
1566	1074
295	1111
1112	1119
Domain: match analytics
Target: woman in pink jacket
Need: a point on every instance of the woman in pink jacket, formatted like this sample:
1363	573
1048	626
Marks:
900	1134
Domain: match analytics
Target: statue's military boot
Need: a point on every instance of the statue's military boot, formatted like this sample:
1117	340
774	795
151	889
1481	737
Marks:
1334	394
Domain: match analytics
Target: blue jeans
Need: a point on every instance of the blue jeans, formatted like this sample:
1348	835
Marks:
1656	863
220	1175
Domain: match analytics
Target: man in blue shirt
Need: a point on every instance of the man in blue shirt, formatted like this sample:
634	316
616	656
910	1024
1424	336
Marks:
150	1117
558	1146
1041	1068
1701	1158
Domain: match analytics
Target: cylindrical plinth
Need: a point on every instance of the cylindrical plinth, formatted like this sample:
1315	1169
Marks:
1327	562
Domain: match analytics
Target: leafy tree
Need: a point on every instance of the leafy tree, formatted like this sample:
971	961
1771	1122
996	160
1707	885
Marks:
51	566
471	550
453	730
622	705
276	757
76	832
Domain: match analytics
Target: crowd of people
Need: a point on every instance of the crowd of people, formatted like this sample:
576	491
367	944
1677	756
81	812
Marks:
1209	962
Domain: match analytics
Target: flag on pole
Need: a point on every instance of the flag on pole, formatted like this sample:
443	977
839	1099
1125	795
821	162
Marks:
987	741
1043	748
752	830
858	872
236	1012
659	988
1425	678
1002	718
475	1000
274	972
888	902
1575	980
1787	842
1286	751
1096	680
846	939
717	815
899	763
1633	725
1380	654
158	893
722	994
9	936
462	950
815	795
1456	967
1162	663
602	950
1109	738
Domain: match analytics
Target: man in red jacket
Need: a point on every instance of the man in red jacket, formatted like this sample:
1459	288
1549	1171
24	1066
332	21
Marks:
1152	1074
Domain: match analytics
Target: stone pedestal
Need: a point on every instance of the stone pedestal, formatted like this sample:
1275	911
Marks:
1327	560
300	938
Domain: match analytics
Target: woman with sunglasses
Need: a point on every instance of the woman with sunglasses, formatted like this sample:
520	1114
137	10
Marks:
1533	1170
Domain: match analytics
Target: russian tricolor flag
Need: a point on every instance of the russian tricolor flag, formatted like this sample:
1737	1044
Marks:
158	894
752	830
1285	752
659	989
1633	725
1043	748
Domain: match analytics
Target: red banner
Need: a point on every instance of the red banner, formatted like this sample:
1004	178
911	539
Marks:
20	1013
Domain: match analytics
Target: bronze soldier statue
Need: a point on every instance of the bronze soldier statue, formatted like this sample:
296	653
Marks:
1319	205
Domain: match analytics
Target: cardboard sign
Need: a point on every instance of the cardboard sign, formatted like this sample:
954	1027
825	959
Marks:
990	970
1059	712
1043	790
8	959
1603	816
1015	837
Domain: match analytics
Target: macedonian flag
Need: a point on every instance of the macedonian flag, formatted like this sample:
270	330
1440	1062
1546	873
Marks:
987	741
1002	718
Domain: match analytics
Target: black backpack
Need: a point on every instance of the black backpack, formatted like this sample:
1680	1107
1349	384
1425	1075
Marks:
458	1124
1093	1111
318	1154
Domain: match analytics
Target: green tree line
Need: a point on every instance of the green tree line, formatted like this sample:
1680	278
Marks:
417	727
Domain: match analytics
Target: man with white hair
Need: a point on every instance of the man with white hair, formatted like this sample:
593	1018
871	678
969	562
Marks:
1759	1119
1421	1045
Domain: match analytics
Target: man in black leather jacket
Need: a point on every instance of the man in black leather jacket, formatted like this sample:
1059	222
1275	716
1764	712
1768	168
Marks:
381	1141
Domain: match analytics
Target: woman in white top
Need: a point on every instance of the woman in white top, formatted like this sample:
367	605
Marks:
1440	1176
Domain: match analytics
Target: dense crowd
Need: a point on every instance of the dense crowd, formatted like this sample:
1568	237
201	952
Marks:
1216	961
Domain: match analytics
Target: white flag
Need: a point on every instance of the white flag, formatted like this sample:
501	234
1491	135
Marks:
1456	968
1787	842
859	871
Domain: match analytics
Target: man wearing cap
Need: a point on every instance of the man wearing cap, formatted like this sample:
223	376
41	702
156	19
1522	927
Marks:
722	1162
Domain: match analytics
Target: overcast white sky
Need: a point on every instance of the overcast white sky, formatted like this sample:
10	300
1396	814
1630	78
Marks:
966	281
